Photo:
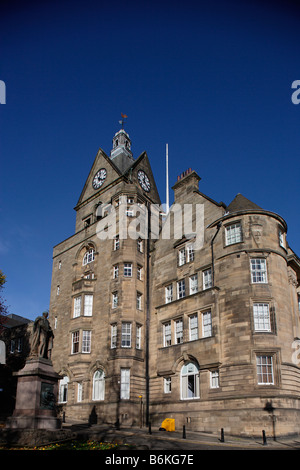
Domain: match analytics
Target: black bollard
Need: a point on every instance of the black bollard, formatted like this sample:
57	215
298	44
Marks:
264	438
222	435
183	432
149	427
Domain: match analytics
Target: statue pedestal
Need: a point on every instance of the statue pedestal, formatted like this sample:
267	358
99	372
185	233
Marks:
37	389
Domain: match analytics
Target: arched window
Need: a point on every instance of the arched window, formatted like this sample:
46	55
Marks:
99	385
63	390
88	257
190	386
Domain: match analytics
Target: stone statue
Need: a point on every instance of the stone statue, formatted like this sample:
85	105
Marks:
42	337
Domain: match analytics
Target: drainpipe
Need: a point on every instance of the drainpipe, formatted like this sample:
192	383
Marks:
212	254
147	317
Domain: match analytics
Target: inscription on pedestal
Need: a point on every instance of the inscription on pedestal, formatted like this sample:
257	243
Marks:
47	401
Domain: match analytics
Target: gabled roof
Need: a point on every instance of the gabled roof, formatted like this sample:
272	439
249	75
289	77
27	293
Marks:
100	155
119	171
241	203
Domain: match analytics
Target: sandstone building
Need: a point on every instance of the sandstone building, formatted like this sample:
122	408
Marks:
154	318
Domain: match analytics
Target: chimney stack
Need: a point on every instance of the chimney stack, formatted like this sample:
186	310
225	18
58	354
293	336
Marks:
187	182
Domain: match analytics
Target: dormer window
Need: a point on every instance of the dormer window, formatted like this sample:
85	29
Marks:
88	257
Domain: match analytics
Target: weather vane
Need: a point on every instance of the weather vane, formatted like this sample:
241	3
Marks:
122	120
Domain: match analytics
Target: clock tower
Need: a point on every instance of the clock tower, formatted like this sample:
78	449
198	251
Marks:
100	293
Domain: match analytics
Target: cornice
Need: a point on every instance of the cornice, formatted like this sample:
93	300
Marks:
230	215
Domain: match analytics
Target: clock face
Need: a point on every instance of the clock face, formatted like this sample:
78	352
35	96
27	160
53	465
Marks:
99	178
144	180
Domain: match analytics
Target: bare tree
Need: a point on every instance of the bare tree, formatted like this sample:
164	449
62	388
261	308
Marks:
3	306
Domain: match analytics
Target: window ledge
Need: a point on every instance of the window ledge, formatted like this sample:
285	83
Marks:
186	342
200	292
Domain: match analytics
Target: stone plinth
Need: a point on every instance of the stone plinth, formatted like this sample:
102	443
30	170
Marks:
36	397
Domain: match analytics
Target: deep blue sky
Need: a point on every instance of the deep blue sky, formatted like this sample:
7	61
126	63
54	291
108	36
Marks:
213	79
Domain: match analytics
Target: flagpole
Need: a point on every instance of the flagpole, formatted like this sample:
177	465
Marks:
167	179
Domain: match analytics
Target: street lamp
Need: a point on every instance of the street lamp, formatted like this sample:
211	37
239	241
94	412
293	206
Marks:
141	410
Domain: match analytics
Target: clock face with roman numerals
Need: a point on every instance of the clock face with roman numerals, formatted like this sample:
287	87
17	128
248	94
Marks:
144	180
99	178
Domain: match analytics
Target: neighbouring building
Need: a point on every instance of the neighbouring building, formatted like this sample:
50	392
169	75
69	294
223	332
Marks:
14	349
154	318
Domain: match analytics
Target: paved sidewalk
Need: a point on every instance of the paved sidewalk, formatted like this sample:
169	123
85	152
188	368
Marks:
162	440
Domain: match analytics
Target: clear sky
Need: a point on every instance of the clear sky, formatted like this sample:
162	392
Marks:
210	78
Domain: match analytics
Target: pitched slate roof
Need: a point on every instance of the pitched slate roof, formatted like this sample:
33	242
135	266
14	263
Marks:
241	203
12	320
